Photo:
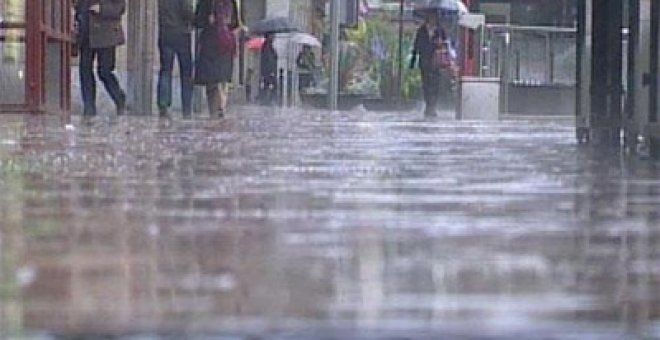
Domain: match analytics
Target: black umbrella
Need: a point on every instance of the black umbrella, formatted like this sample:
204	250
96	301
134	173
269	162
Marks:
273	25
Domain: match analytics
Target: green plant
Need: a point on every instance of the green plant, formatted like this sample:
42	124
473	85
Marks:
378	38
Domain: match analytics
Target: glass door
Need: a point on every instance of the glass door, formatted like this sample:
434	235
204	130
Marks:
55	35
35	45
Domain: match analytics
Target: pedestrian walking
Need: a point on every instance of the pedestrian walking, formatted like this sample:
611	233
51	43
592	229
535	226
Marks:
306	62
175	19
98	34
268	71
214	67
428	40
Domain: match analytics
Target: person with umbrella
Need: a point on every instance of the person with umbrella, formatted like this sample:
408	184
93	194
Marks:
268	27
306	62
430	36
214	66
268	70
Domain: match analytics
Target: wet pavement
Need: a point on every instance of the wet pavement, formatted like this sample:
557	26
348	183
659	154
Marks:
274	224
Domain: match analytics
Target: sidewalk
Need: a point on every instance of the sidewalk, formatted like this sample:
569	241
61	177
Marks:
284	223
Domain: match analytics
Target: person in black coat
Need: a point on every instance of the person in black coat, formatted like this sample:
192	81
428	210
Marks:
98	34
429	37
214	68
175	41
268	71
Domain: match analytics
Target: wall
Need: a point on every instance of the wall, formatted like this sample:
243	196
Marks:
533	12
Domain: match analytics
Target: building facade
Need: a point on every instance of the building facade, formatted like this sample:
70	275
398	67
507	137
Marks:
557	13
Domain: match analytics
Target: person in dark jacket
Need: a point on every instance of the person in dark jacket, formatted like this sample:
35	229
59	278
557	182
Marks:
429	37
306	62
98	33
268	71
214	67
175	18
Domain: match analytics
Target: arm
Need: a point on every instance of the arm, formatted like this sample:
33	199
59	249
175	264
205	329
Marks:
202	13
416	48
299	61
112	9
77	12
187	10
235	22
452	51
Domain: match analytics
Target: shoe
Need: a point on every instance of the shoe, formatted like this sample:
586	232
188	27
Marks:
187	115
162	112
87	120
89	113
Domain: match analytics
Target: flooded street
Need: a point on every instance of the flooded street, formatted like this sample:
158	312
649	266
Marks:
294	225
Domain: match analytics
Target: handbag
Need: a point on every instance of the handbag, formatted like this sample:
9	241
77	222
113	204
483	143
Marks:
226	38
441	59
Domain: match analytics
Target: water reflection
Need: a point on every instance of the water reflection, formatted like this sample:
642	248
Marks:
295	220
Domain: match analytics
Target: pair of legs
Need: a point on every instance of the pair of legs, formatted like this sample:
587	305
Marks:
217	96
306	80
171	46
431	85
268	90
106	62
248	92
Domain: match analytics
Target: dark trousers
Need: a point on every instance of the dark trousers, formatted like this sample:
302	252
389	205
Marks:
106	59
305	80
248	92
170	46
213	98
431	85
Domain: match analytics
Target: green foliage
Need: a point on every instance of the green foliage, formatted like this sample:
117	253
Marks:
378	39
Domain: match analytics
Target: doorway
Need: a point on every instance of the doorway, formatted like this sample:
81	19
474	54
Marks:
35	48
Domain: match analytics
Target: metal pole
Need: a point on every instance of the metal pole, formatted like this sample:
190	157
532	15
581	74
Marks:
134	9
141	37
285	74
655	62
333	91
148	59
548	58
400	71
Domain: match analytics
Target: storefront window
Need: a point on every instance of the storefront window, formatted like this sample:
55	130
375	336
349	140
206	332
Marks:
12	11
12	52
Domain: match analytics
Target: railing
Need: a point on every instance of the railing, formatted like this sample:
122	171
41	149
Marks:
537	67
530	55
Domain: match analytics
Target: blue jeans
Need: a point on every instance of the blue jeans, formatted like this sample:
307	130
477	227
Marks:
171	45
